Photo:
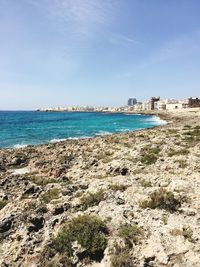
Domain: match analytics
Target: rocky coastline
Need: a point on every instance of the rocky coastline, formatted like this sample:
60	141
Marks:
130	199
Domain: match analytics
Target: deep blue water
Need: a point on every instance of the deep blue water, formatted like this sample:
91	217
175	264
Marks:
23	128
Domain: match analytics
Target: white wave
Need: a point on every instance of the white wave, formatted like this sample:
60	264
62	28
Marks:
124	130
158	120
56	140
155	119
80	137
132	114
18	146
103	133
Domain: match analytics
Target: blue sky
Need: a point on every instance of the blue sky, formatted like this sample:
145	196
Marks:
97	52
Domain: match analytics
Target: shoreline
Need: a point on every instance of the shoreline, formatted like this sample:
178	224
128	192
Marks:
53	141
121	179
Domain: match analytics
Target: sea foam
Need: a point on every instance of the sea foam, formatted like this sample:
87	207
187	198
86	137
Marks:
18	146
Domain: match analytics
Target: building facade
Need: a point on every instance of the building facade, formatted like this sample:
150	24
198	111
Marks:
132	101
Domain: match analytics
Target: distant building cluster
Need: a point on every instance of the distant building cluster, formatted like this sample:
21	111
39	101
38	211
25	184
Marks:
82	109
156	103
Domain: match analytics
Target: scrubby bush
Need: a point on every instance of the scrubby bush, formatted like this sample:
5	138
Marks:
162	199
42	181
93	199
118	187
145	183
149	159
131	234
178	152
3	203
150	156
50	195
186	232
121	258
89	231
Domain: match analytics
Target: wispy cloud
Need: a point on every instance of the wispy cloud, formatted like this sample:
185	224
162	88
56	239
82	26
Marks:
123	40
83	18
178	48
86	16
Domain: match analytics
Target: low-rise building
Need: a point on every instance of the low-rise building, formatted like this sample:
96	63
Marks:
194	102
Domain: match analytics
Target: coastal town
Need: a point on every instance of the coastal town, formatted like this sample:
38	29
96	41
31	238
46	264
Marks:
154	103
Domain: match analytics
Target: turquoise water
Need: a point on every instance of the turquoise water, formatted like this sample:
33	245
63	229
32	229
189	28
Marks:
18	129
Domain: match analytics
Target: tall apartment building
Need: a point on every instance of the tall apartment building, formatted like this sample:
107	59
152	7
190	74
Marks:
132	101
154	100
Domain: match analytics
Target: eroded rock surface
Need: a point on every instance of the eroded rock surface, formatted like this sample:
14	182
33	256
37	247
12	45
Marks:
134	179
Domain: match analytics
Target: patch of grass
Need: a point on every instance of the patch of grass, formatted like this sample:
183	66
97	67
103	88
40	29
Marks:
187	127
149	159
41	180
145	183
193	133
197	127
178	152
162	199
48	196
150	156
131	234
165	219
186	232
121	258
3	203
118	187
93	199
89	231
172	131
182	163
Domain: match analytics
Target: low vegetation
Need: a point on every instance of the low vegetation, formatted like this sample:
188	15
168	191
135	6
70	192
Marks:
48	196
131	234
3	203
178	152
121	258
145	183
93	199
150	156
90	233
186	232
117	187
42	181
162	199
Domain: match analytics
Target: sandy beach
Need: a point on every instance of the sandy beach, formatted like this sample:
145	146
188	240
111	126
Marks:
144	186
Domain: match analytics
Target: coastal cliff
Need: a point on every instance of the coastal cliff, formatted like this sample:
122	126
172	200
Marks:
127	199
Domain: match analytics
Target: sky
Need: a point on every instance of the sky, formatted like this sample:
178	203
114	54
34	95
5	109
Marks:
97	52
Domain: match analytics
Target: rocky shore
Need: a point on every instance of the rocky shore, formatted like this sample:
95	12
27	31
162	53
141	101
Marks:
122	200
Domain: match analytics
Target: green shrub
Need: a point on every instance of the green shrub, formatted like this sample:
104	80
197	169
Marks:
89	231
162	199
41	180
3	203
50	195
145	183
93	199
186	232
117	187
187	126
149	159
150	156
182	163
130	233
121	258
178	152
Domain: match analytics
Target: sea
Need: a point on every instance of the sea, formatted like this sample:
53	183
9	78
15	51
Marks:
22	128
